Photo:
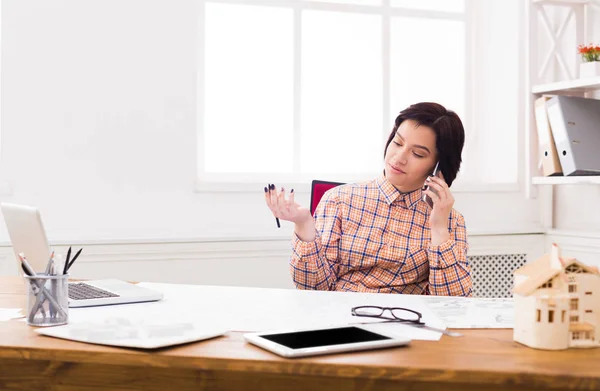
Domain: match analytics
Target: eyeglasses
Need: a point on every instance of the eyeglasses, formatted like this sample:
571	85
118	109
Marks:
398	314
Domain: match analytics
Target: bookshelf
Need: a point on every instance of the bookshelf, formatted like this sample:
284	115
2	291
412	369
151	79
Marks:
569	87
566	180
573	86
580	86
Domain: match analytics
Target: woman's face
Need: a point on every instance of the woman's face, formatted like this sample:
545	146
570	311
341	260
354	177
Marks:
411	156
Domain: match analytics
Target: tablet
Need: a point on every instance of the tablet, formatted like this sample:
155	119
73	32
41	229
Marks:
302	343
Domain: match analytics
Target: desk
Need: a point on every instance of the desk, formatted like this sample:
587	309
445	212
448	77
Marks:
482	359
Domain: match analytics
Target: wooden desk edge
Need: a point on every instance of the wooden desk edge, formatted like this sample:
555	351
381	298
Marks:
123	357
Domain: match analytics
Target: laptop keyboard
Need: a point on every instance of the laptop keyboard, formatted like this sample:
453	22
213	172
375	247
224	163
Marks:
83	291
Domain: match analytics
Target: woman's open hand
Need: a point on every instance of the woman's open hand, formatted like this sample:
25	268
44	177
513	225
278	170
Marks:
286	209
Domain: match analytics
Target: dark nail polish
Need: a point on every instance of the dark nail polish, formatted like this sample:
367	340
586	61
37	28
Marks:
272	187
291	191
266	190
282	189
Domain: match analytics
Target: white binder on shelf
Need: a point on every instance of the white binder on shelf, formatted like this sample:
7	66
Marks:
548	155
575	124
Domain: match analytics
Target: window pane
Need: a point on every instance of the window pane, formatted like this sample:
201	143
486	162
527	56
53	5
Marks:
356	2
431	5
248	89
341	93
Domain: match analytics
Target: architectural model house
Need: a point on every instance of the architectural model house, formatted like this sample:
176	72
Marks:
556	303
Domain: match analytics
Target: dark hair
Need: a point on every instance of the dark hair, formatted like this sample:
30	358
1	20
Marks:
449	134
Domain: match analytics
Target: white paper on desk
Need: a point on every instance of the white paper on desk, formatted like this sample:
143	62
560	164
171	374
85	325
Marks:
262	309
133	333
403	330
10	313
473	313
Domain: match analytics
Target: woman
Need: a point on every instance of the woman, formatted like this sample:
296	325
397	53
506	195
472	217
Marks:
381	236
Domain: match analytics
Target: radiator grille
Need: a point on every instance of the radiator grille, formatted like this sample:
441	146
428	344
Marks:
493	274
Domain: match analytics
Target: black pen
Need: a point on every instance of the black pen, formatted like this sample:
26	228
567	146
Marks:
35	288
25	265
65	268
27	272
73	260
272	187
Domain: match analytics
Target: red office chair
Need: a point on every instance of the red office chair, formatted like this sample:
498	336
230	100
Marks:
319	188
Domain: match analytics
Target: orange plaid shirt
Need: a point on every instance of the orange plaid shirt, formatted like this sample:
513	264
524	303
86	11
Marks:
372	238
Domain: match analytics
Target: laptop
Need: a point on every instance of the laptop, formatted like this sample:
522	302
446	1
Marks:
27	235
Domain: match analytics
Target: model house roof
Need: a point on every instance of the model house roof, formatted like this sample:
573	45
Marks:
533	268
546	268
586	268
535	281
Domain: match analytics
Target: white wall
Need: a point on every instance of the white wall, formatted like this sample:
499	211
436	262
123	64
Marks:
99	122
497	66
99	130
241	263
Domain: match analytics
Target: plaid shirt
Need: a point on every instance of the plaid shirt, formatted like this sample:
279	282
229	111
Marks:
372	238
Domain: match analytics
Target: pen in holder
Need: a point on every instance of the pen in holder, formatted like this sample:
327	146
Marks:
47	299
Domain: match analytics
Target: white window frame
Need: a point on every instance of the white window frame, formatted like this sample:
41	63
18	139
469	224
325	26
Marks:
241	182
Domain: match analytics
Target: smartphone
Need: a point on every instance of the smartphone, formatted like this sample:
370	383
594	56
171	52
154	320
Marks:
426	198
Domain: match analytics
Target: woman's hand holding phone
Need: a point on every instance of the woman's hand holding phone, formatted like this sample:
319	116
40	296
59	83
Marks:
443	201
426	198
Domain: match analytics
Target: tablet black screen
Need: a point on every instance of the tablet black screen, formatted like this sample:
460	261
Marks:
317	338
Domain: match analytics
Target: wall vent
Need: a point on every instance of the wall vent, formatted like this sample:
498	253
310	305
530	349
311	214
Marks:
493	274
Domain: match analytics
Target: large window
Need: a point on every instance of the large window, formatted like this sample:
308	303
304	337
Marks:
300	89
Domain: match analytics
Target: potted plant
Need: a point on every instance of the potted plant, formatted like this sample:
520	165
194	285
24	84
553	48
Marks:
590	55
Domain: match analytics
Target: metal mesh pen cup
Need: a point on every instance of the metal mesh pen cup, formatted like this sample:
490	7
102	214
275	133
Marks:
47	300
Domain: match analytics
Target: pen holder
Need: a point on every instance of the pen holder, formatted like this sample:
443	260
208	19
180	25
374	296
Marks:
47	300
